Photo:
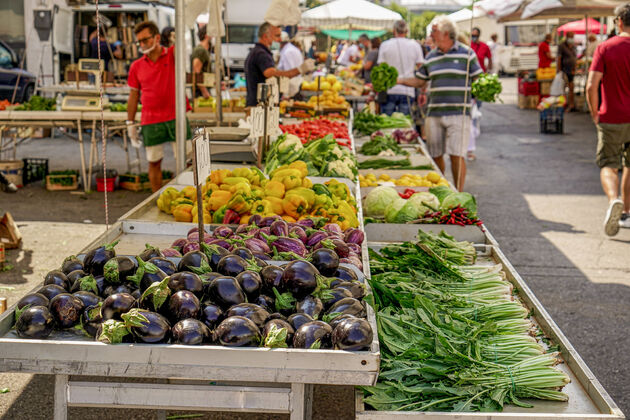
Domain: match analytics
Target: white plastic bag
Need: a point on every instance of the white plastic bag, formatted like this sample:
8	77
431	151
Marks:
283	13
557	86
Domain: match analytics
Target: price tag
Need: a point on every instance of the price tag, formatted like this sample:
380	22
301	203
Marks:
202	159
275	94
273	121
258	122
284	85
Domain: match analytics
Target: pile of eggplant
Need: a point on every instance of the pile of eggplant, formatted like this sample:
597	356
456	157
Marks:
207	296
273	238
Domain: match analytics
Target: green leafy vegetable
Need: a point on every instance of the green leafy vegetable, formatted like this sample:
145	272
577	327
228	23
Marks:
487	88
383	77
367	123
380	144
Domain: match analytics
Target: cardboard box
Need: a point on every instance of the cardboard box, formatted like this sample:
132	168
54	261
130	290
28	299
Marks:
528	101
545	88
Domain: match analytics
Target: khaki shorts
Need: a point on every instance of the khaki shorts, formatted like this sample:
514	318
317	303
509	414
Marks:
156	153
444	135
613	145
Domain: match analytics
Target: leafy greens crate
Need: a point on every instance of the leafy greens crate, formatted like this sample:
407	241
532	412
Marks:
392	232
587	398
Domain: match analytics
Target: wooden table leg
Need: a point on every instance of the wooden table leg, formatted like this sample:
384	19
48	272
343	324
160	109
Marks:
61	397
82	151
301	403
93	153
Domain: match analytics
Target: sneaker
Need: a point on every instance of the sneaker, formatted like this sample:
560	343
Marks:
624	222
613	216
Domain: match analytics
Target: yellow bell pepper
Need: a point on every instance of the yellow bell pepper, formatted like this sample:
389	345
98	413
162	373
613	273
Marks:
216	177
301	166
319	211
307	193
276	204
181	200
258	177
274	189
190	192
294	205
183	213
290	181
262	207
322	200
288	219
257	192
207	218
307	183
233	180
243	173
338	189
344	215
239	204
166	198
283	171
219	198
244	219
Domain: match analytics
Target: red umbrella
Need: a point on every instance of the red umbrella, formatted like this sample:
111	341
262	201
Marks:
579	27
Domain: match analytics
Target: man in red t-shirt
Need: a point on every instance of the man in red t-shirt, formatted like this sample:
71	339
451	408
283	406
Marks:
153	76
481	49
611	67
544	53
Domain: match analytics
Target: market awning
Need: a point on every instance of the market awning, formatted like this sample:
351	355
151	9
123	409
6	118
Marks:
345	33
579	27
355	13
513	10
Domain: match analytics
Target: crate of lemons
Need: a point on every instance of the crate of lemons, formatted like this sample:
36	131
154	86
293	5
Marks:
432	179
232	197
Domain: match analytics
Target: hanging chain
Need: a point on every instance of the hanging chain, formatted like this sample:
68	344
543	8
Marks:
103	137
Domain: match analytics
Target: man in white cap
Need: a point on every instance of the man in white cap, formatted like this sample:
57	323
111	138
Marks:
290	55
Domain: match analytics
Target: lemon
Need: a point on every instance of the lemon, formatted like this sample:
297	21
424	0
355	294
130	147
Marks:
434	177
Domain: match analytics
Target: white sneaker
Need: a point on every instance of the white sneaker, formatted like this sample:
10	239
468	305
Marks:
624	222
613	216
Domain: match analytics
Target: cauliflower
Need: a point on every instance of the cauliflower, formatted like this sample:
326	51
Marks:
290	141
337	151
343	168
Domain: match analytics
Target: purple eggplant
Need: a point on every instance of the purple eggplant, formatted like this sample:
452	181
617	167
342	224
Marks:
147	327
189	247
300	278
150	252
251	283
91	319
195	261
354	248
255	220
244	253
354	236
311	306
182	305
147	274
263	233
71	264
118	269
57	277
279	228
237	331
347	305
256	245
345	274
35	322
66	309
222	232
277	333
261	259
299	319
87	298
232	265
225	291
333	228
313	335
272	277
240	230
49	291
112	331
325	260
89	283
191	332
356	288
171	252
96	258
315	238
268	303
186	280
193	237
33	299
341	248
214	254
206	280
75	275
156	295
277	315
223	243
289	245
352	335
355	261
298	233
179	244
334	322
211	314
257	314
164	264
195	230
335	295
267	221
116	305
307	223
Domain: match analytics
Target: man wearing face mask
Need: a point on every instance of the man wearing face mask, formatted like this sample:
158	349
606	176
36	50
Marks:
481	49
259	64
567	58
153	76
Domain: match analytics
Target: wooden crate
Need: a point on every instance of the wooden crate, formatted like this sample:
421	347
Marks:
528	101
10	235
130	182
51	186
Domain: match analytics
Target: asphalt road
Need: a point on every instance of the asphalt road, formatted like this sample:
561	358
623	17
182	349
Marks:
538	194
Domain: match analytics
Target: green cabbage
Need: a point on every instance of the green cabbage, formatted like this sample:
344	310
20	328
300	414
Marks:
391	212
425	201
378	199
441	192
462	199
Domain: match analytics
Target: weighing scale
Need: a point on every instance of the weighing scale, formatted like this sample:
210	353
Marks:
87	99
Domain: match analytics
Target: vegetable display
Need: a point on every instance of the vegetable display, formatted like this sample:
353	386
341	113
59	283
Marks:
38	103
379	144
206	297
383	77
121	107
233	197
367	123
431	179
452	337
392	164
487	88
317	128
323	157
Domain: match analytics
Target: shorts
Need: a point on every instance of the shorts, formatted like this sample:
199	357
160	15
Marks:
568	72
613	145
156	135
444	135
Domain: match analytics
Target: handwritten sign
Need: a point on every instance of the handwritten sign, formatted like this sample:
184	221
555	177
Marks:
202	158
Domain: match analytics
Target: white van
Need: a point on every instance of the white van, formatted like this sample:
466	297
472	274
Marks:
520	49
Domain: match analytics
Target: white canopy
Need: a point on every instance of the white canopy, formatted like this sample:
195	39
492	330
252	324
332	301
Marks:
465	14
358	13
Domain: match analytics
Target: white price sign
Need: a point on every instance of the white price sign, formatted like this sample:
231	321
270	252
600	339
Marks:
273	120
202	159
284	85
258	122
275	94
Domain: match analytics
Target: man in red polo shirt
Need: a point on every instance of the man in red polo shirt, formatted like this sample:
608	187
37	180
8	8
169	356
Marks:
611	68
544	53
153	76
481	49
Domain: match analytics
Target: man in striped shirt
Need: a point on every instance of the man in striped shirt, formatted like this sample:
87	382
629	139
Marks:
451	68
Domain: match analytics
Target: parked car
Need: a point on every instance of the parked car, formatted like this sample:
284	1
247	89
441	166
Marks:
10	72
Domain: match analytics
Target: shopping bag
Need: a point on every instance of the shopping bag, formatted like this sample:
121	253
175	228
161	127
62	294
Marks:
557	86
